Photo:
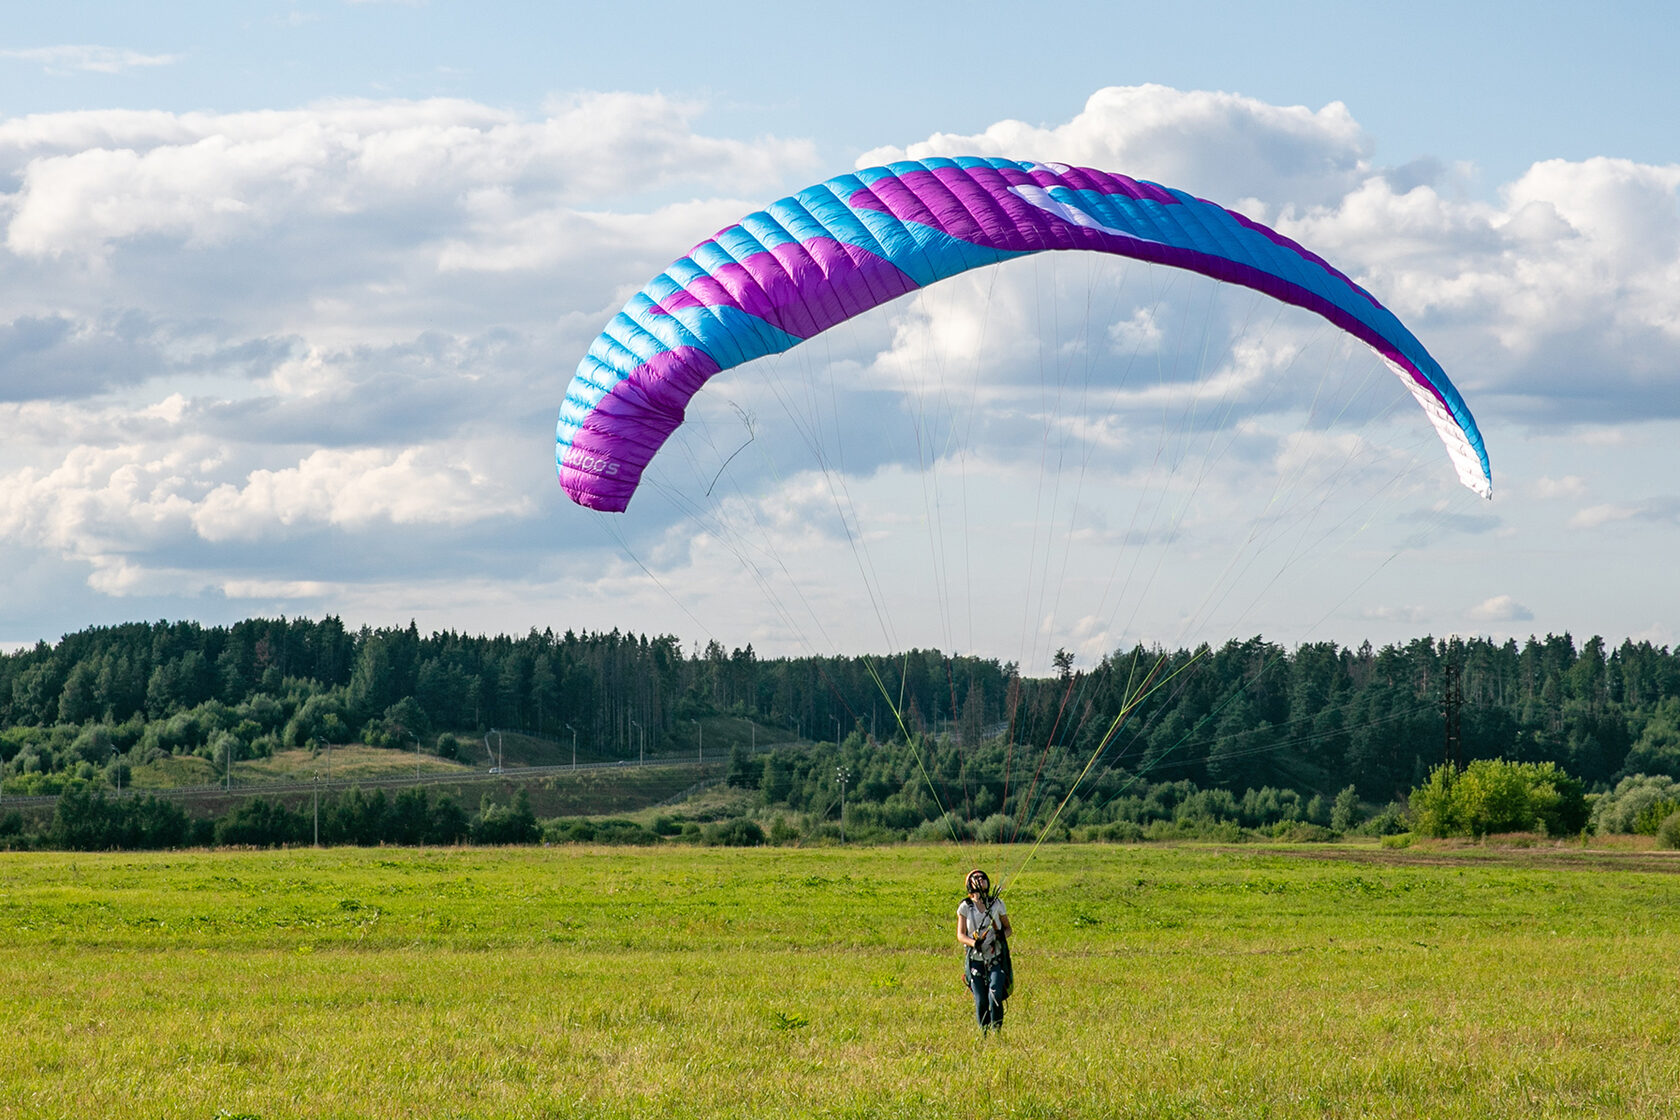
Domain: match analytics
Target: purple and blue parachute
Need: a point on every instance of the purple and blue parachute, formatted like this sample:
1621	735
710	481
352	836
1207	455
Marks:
787	272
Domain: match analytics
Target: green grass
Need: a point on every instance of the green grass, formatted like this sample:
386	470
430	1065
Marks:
349	762
1152	982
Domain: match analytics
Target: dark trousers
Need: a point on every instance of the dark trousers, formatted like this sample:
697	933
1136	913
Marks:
987	984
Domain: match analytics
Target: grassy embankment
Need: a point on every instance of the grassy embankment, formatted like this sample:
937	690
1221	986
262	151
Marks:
1154	981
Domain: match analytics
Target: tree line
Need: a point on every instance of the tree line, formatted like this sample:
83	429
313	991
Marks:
1246	716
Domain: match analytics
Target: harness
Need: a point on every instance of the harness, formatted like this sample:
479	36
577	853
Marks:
978	967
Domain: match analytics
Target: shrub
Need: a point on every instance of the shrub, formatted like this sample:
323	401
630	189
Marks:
1344	814
739	832
1620	809
1653	815
1494	795
1301	832
1390	821
259	823
507	824
1668	832
781	832
562	830
1119	832
90	822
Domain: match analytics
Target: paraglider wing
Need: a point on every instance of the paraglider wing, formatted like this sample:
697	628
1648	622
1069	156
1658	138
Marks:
837	249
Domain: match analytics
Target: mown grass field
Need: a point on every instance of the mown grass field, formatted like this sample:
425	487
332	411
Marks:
1152	981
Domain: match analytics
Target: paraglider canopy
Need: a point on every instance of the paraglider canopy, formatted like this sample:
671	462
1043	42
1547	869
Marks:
788	272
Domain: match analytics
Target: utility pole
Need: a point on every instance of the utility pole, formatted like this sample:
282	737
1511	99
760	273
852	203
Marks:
842	774
641	743
317	784
116	764
700	729
573	730
1452	699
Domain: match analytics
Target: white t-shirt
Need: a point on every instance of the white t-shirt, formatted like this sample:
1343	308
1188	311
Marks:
981	920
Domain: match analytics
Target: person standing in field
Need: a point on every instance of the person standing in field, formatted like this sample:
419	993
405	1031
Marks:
983	928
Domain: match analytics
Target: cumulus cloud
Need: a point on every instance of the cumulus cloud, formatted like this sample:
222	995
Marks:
1500	608
353	488
337	324
203	179
1561	292
312	355
1554	301
1218	145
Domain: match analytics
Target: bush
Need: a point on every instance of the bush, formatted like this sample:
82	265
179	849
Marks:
507	824
90	822
1118	832
1301	832
943	828
740	832
1668	832
258	823
1651	818
1622	808
1494	795
562	830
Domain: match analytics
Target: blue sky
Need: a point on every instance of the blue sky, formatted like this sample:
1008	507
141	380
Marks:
294	290
1496	84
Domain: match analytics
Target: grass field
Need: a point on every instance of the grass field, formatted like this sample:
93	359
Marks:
1152	981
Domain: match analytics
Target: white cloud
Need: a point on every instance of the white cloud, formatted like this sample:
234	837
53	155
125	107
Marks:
312	356
202	179
354	489
88	58
1569	486
1500	608
1559	297
1218	145
1594	517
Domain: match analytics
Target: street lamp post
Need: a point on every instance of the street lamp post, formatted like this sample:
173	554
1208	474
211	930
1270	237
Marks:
700	729
317	785
573	730
641	743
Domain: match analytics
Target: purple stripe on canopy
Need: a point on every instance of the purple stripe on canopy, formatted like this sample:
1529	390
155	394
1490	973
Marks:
777	285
